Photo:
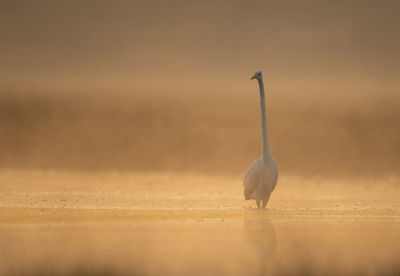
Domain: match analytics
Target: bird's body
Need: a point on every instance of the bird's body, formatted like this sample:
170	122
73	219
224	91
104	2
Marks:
262	175
260	180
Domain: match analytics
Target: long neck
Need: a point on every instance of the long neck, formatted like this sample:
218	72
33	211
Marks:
266	151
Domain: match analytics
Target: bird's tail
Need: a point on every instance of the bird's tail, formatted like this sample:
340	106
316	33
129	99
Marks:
248	191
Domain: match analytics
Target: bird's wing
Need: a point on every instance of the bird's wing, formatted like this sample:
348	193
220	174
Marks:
251	180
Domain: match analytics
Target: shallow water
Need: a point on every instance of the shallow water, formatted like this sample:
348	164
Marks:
63	223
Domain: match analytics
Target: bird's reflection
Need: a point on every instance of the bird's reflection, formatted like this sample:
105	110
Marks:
259	233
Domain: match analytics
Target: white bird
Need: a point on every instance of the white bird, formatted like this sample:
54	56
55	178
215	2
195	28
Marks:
262	176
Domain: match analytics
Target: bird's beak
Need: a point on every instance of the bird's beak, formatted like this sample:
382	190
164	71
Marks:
253	77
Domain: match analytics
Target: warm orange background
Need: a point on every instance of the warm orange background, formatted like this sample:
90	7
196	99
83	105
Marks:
165	85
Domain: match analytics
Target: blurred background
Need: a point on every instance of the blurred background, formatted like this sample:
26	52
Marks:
164	85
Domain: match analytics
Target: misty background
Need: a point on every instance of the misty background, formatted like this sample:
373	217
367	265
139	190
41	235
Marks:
164	85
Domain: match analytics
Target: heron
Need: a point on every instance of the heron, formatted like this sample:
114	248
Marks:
262	175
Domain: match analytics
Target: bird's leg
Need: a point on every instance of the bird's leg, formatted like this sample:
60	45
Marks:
258	203
264	202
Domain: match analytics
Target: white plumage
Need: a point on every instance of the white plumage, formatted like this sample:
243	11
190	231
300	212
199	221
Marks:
262	175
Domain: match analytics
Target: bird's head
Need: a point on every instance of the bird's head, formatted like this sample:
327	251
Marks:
257	75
